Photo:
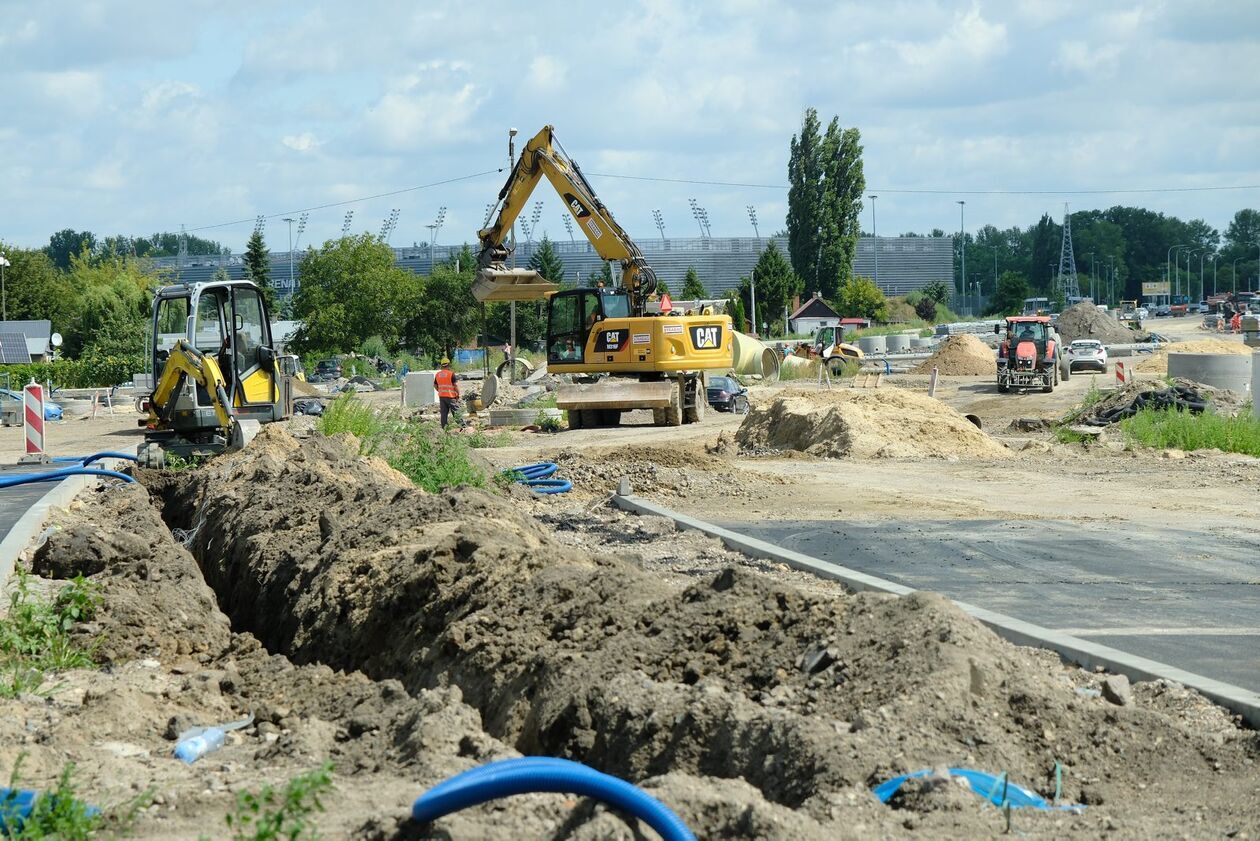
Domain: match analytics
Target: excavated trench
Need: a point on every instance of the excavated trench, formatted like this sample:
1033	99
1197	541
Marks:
327	557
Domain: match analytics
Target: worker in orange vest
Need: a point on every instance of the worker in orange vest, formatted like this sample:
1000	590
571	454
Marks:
447	391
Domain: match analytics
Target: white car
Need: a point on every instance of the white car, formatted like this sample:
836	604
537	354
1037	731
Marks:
1087	353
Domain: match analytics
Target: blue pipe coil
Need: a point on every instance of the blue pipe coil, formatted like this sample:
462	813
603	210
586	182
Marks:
537	477
546	774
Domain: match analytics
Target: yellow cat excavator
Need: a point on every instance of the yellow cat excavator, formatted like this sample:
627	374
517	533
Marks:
624	351
216	375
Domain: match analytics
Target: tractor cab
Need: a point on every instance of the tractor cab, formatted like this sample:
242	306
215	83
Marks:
1028	354
573	313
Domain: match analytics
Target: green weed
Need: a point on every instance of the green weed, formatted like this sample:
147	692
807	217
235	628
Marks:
34	635
271	815
483	440
1170	428
349	414
177	464
61	815
546	422
1064	435
435	460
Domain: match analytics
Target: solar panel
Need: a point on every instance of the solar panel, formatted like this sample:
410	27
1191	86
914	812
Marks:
13	349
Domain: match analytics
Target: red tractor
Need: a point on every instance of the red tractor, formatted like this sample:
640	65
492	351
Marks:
1030	354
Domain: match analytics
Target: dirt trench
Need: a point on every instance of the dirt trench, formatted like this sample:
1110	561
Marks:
329	558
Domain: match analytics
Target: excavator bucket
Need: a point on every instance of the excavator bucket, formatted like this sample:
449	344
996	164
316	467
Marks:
511	285
615	394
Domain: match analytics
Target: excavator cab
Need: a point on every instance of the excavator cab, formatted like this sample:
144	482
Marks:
571	315
216	375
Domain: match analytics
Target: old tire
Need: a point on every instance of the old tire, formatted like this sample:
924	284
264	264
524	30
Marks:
674	411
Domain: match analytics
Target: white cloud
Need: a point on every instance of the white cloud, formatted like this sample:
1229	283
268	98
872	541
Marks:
1080	57
547	73
164	93
431	106
304	142
106	175
79	91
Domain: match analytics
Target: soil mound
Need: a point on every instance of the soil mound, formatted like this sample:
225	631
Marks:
1157	362
1086	321
963	355
851	423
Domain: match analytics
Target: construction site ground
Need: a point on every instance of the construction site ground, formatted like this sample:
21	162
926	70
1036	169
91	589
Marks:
405	637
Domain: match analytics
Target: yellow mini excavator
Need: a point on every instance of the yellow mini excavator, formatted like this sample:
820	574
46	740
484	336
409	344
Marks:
624	352
216	375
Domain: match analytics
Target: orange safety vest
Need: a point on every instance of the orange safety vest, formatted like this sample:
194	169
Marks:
444	382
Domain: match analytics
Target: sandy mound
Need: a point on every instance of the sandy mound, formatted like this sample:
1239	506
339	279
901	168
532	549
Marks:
1157	363
961	356
888	423
1085	321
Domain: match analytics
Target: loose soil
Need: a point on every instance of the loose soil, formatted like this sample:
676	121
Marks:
1086	321
960	356
407	636
1157	363
855	423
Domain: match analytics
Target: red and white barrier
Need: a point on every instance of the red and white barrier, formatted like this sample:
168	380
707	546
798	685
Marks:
33	398
1121	376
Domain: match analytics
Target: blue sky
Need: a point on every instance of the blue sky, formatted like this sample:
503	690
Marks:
133	117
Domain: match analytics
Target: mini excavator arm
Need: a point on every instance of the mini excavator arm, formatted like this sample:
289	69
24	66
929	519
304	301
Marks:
543	156
183	363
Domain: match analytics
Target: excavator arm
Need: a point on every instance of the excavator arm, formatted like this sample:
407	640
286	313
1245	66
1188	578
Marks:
544	157
185	363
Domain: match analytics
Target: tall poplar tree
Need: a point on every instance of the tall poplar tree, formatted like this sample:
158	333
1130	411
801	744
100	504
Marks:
843	186
805	193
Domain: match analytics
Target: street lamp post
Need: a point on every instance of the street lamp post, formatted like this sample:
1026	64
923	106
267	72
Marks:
4	295
1233	274
290	221
1214	256
512	305
962	241
875	238
752	288
1093	276
1189	254
752	217
1202	254
1172	273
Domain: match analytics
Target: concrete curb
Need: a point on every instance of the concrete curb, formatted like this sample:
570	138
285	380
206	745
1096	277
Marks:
31	523
1242	702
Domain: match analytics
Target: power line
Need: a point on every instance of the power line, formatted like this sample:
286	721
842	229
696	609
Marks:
347	201
942	192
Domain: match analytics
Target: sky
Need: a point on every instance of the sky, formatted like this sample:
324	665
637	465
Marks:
131	117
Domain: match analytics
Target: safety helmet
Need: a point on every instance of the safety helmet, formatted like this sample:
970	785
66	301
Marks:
445	361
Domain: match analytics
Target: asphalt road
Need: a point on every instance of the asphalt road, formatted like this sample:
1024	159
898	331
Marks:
15	501
1186	598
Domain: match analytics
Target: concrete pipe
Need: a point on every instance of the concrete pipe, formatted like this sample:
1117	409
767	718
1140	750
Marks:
920	344
898	343
1219	370
795	363
873	344
753	357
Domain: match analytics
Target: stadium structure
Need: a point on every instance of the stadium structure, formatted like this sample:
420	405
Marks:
905	263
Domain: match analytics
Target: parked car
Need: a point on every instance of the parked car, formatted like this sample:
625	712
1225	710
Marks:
52	411
327	369
1163	311
1087	353
727	395
1202	308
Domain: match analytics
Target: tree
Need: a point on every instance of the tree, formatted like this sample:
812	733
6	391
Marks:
34	289
447	313
350	289
1012	289
693	289
735	309
805	198
925	308
861	298
776	284
938	291
1242	239
662	288
601	275
68	243
114	298
258	268
843	186
546	262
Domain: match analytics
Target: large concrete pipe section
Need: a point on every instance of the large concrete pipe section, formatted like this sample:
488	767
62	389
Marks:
1219	370
898	343
873	344
753	357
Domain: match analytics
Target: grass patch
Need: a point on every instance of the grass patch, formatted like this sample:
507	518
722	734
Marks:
1064	435
349	414
1174	429
270	814
34	635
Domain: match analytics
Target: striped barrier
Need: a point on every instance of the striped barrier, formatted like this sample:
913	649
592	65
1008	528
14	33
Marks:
33	397
1121	377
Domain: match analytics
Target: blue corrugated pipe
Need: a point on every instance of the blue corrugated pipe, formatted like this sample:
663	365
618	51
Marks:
58	475
546	774
536	477
86	460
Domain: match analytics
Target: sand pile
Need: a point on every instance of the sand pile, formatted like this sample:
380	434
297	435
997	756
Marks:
1157	363
1085	321
850	423
961	356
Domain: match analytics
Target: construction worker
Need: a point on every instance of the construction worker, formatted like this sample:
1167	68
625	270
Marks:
447	391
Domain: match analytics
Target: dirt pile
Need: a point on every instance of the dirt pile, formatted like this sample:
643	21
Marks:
875	423
1157	362
963	355
1086	321
661	471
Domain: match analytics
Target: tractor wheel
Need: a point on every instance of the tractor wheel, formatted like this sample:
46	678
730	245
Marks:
1066	370
1003	386
699	396
674	411
1050	378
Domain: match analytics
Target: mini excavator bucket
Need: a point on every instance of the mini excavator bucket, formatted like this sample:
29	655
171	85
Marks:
492	284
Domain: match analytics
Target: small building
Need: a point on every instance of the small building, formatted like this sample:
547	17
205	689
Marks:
37	336
811	315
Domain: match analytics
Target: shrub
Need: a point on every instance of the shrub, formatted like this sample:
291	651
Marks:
1172	428
434	460
34	634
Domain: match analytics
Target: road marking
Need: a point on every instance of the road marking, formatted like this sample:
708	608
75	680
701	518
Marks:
1160	632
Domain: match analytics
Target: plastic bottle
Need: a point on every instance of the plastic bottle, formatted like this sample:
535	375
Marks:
194	745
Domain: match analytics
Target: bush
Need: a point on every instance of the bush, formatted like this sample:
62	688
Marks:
1171	428
34	634
349	414
434	460
89	372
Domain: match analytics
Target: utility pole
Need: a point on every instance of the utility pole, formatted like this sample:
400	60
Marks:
290	221
4	295
512	306
752	288
875	238
962	242
1067	261
1214	256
